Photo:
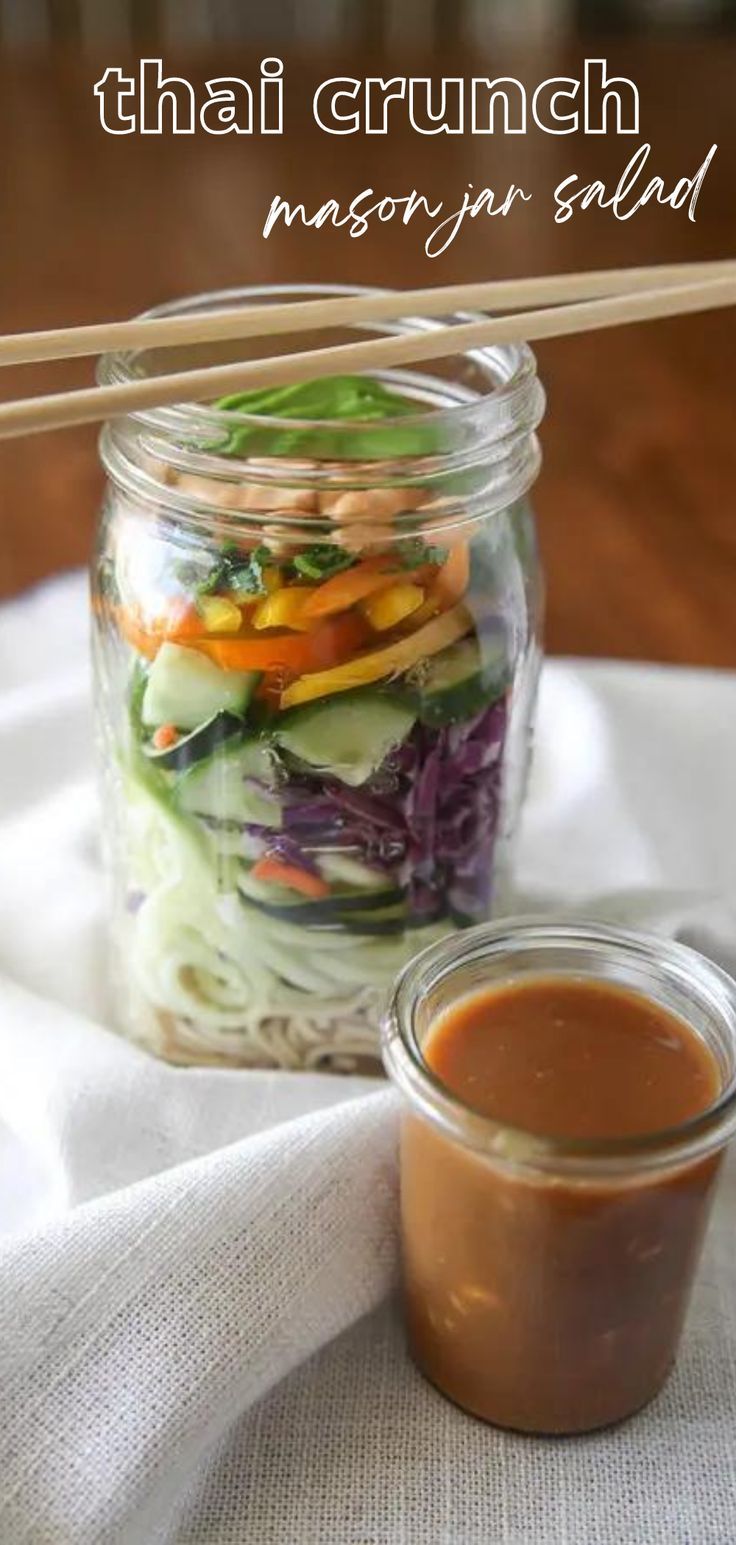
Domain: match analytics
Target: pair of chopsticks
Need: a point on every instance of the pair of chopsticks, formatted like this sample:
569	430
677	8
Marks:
564	304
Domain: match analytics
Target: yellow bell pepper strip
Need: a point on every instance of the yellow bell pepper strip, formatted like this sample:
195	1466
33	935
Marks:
219	615
296	653
350	585
296	879
378	664
181	620
285	608
390	607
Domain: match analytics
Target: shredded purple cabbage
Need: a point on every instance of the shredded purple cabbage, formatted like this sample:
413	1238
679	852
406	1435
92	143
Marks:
374	812
279	845
428	818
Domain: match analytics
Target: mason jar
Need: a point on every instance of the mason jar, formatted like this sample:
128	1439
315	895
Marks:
546	1279
316	620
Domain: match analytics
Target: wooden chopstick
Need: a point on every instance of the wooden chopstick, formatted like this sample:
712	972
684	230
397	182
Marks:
333	311
63	409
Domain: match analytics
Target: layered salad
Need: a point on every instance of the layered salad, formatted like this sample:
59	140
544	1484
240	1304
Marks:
311	766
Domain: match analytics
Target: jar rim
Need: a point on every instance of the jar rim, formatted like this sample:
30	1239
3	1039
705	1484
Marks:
515	389
514	1147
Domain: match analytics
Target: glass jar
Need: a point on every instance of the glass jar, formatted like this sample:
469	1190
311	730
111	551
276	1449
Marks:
316	662
546	1280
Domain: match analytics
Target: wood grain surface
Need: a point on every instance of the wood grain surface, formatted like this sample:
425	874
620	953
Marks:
636	499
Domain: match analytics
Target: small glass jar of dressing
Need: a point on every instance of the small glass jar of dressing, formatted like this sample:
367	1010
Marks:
569	1091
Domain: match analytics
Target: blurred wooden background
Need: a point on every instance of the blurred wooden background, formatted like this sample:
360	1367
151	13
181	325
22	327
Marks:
636	499
318	22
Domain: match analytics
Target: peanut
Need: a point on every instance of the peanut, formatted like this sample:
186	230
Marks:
372	503
358	538
281	541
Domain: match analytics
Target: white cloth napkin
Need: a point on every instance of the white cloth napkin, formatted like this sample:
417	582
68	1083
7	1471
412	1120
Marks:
198	1342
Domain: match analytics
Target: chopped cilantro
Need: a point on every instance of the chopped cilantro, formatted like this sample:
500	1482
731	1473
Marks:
414	551
247	578
243	575
323	560
230	571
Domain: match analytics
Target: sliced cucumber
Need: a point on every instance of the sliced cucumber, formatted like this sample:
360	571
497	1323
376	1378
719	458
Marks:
223	787
457	683
341	906
186	689
230	841
376	926
200	743
348	737
343	868
390	911
267	893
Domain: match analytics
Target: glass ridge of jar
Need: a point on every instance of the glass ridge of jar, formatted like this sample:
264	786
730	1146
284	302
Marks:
690	986
494	431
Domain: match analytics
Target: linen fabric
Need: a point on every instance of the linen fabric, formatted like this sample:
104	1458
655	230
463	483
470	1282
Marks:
199	1341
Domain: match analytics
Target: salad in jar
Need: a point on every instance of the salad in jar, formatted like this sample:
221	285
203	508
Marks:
315	709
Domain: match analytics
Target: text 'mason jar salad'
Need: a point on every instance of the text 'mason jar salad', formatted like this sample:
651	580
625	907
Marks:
316	612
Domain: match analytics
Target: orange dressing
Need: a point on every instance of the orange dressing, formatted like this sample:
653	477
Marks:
552	1302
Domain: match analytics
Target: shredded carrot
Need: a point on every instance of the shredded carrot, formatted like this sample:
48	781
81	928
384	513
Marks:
290	875
166	736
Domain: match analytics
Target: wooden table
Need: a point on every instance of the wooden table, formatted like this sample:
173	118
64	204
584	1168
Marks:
636	500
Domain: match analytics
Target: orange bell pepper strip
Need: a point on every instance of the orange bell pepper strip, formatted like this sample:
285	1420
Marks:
290	875
132	630
179	622
294	653
335	641
350	585
379	664
179	619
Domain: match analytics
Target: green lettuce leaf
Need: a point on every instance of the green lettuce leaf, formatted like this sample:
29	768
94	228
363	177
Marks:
361	400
